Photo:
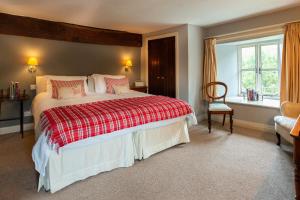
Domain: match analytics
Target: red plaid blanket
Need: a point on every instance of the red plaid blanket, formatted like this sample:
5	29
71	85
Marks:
67	124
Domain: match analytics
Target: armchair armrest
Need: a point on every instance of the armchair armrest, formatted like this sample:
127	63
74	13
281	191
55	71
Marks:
290	109
296	129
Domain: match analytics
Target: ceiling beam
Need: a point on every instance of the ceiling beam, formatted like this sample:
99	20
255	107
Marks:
39	28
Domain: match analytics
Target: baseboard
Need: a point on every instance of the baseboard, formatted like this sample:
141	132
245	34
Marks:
16	128
247	124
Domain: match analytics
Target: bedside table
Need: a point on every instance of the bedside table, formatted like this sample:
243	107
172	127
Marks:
20	100
143	89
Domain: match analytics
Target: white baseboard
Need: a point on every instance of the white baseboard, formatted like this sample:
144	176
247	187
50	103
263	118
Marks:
16	128
247	124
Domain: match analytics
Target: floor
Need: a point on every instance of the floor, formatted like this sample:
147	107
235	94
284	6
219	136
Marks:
244	165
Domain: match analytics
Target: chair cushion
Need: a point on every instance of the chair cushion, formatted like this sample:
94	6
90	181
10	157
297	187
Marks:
285	122
219	107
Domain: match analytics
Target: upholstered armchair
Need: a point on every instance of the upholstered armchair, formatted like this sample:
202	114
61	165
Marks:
286	121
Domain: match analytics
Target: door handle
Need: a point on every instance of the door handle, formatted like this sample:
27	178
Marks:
158	77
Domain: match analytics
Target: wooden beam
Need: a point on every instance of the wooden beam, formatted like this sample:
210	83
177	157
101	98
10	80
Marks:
39	28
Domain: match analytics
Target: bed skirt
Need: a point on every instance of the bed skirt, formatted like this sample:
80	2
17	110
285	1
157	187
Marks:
72	165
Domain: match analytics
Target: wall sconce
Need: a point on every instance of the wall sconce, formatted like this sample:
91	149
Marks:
128	64
32	64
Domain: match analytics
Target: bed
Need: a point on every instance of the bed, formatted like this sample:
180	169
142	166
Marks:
60	167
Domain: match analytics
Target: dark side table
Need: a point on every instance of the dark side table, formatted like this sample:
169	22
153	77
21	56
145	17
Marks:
19	100
143	89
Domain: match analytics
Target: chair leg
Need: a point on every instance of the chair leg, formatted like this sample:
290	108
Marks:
278	139
224	116
209	121
231	122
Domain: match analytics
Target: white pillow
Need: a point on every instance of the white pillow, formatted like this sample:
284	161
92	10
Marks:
100	85
121	89
64	78
69	92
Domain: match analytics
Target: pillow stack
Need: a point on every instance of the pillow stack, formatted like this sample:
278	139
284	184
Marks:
65	87
104	83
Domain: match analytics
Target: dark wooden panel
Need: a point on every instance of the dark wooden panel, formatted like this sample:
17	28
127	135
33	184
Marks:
161	67
38	28
297	166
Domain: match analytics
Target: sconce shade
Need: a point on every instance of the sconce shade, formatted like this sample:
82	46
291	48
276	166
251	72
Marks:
32	61
32	64
128	63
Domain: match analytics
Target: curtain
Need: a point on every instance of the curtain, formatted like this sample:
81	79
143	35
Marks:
290	70
209	67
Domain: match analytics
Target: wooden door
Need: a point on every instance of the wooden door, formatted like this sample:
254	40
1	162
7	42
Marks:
161	67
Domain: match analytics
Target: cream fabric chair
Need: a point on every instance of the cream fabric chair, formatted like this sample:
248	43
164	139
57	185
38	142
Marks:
285	122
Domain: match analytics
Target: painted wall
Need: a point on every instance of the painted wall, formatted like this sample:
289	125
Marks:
58	58
227	67
255	114
195	62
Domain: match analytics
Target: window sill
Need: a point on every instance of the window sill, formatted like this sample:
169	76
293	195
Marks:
267	103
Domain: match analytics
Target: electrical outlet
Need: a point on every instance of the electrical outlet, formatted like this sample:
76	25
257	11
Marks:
27	113
32	87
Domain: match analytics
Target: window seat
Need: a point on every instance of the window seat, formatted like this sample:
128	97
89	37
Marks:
268	103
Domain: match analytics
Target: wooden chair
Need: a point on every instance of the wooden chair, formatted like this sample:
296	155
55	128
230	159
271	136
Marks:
218	107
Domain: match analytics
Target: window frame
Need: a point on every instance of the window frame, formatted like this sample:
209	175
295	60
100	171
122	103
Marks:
258	69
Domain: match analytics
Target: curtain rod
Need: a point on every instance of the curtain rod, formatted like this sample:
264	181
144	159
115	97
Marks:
260	31
254	32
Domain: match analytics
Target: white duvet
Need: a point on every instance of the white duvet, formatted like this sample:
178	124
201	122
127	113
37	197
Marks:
42	102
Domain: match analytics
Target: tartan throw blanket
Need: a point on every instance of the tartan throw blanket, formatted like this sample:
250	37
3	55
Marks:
67	124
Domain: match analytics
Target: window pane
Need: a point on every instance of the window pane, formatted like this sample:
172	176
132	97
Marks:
269	81
269	56
248	57
248	80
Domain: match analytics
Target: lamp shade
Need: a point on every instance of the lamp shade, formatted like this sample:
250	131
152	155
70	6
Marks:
128	63
32	61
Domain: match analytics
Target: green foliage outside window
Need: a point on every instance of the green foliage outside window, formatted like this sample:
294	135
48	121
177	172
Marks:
267	69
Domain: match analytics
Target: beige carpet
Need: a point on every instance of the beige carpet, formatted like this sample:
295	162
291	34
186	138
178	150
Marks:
244	165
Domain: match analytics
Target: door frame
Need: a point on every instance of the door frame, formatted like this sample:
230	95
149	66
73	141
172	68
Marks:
176	58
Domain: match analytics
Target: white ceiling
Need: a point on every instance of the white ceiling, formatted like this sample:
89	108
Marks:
142	16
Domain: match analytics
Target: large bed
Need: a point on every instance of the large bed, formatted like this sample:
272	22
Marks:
60	167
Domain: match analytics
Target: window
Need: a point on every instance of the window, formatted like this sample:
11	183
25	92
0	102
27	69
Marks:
259	67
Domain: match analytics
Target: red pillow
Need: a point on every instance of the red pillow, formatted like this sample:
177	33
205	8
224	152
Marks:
110	82
56	84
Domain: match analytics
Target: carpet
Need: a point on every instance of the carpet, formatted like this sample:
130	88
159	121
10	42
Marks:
216	166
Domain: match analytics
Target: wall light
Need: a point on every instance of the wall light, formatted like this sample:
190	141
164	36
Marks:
32	64
128	64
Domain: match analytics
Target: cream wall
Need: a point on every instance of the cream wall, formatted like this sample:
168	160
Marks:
195	61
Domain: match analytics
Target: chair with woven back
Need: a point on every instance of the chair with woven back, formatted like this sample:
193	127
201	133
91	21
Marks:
215	106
